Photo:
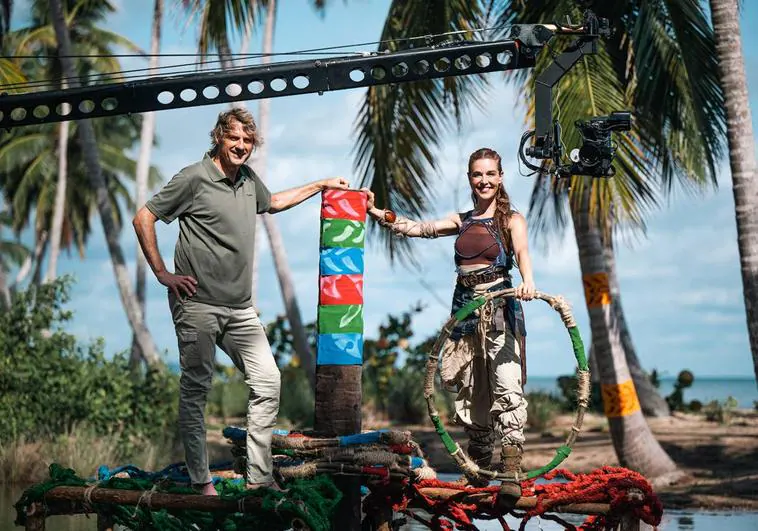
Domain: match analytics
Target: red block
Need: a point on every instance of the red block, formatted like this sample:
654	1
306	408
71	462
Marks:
341	289
343	204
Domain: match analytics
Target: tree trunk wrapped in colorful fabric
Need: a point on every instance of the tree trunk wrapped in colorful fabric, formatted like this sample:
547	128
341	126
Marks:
339	352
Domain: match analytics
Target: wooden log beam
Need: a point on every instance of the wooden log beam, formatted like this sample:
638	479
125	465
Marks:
60	498
523	503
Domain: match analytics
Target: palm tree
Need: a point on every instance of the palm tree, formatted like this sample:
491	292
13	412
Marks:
214	16
670	141
88	39
28	163
147	137
742	162
87	139
659	62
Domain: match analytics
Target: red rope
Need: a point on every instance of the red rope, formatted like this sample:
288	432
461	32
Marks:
611	485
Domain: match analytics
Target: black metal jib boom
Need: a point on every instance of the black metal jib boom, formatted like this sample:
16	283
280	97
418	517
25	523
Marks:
354	71
270	81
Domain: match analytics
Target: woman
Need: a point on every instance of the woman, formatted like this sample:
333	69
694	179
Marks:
483	356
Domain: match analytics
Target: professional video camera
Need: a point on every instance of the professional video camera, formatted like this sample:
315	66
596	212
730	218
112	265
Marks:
596	154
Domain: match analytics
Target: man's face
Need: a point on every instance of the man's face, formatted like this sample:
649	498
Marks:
236	145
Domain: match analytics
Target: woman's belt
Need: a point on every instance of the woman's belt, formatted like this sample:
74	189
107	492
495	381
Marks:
472	279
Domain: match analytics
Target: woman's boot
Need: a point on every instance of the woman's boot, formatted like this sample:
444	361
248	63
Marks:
510	465
510	460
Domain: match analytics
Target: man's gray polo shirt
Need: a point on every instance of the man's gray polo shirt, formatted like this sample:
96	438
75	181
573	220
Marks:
216	229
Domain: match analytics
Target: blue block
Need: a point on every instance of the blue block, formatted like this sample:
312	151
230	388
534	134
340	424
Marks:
341	261
339	349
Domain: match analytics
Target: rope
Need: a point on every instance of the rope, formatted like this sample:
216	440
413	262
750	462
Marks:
311	501
625	491
487	303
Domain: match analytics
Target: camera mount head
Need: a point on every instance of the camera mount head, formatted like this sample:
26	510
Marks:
594	158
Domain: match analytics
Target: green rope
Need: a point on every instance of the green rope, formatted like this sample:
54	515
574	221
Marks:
311	500
497	298
578	345
561	453
450	445
469	308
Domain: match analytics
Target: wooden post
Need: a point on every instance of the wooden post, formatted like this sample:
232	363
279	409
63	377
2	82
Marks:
339	358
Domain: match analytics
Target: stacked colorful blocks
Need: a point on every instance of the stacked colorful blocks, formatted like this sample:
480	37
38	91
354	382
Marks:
340	309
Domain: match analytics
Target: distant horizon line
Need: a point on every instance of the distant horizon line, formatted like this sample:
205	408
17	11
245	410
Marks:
666	376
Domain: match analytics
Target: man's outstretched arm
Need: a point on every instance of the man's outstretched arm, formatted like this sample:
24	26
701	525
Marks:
282	201
144	227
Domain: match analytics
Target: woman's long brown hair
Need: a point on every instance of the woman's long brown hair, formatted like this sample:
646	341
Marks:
503	210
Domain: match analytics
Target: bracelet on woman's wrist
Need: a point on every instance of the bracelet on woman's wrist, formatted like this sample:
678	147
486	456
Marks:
389	216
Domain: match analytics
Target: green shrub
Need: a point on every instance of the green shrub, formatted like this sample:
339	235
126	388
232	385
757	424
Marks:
568	385
229	394
49	383
721	412
542	408
297	403
406	403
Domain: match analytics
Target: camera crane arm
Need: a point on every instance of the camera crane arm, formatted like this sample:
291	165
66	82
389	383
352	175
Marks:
321	75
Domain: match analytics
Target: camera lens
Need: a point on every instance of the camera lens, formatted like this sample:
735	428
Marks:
589	154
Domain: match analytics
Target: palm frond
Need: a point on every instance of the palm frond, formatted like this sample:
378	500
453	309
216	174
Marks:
678	99
660	62
400	127
220	20
13	252
10	74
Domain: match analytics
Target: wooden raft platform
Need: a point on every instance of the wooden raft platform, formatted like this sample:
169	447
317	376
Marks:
78	500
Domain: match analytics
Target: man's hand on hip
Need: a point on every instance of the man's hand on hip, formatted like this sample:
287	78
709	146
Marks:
181	285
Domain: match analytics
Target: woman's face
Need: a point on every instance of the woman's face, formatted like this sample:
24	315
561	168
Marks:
484	178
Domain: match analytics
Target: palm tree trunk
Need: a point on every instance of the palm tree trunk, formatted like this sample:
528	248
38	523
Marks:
143	170
5	292
40	251
283	273
88	143
635	445
742	159
653	404
59	207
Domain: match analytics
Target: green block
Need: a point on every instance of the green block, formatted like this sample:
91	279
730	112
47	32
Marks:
342	233
340	318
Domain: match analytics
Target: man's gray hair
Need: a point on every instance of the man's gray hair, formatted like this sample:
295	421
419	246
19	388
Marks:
224	123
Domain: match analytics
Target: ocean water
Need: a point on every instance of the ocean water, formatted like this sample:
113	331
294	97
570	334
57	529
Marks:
705	389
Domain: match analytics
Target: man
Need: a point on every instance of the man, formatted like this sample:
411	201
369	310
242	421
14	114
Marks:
210	293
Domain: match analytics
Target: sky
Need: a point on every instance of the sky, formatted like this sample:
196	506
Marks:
680	282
